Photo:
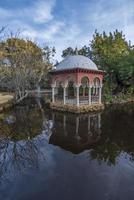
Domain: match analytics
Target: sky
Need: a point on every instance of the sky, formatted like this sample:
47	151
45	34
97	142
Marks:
64	23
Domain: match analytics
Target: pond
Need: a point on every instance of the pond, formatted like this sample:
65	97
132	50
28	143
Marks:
50	155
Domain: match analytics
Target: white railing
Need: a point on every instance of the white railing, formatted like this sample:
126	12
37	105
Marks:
71	101
82	100
95	99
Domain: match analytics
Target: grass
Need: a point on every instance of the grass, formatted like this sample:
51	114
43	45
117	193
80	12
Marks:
5	98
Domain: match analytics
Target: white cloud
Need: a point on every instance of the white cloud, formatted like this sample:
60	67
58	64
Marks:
73	28
39	12
52	30
46	34
105	15
43	11
58	34
29	33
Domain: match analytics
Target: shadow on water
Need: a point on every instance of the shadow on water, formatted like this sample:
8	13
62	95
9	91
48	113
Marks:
26	128
28	134
76	133
106	134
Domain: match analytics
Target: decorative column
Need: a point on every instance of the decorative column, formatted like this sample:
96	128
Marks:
53	94
100	91
77	95
93	90
64	95
96	88
89	95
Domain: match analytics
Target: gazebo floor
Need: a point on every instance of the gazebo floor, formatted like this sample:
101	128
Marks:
83	108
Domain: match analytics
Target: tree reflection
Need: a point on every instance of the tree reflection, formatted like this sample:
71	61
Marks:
107	135
117	135
26	131
76	132
20	141
107	152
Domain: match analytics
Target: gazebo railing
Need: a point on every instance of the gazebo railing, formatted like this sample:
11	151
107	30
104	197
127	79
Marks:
58	98
95	98
83	100
71	101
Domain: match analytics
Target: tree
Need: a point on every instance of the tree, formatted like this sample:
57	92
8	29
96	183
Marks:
85	51
26	65
108	50
126	69
68	51
49	53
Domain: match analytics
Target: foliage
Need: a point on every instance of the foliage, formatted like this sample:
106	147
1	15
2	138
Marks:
113	54
24	65
85	51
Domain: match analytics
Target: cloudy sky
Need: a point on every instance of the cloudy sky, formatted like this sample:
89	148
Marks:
63	23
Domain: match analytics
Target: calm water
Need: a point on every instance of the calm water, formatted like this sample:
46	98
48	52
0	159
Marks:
48	155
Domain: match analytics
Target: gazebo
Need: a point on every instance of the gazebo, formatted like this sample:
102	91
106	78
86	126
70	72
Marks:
77	81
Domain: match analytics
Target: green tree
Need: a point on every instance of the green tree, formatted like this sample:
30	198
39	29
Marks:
126	69
85	51
27	65
68	51
108	51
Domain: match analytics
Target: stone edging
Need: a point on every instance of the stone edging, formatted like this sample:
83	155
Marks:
75	109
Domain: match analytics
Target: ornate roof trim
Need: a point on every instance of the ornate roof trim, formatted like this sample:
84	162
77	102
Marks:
77	70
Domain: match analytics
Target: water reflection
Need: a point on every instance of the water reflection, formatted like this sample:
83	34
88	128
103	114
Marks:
22	132
28	135
76	133
117	135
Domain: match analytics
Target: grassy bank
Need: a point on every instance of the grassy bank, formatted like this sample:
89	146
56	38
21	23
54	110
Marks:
6	101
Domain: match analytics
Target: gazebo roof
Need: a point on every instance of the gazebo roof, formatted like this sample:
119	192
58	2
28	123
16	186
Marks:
76	61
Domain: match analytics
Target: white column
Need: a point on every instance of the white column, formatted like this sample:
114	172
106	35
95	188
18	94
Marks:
93	90
89	95
96	92
77	95
64	95
100	91
53	95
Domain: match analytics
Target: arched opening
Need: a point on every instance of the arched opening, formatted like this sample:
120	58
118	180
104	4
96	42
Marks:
95	89
60	91
70	90
96	81
84	86
85	81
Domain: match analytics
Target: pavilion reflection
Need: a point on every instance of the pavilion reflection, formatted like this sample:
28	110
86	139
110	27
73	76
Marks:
76	132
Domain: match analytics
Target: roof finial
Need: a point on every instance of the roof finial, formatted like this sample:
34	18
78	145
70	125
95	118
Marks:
76	51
